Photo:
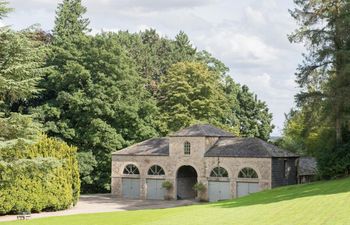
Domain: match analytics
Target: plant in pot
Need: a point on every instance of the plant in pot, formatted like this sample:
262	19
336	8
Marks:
200	188
167	185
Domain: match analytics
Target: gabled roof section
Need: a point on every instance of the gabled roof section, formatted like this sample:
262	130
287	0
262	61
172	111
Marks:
246	147
154	146
201	130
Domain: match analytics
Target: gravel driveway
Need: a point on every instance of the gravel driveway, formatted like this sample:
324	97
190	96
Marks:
105	203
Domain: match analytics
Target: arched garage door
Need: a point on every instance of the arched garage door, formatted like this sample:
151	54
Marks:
131	183
219	187
131	188
154	189
154	184
246	188
248	182
219	190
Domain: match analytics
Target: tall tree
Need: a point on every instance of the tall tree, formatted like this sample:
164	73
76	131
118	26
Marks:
250	115
153	54
189	93
21	68
324	74
320	125
95	99
183	51
306	132
69	23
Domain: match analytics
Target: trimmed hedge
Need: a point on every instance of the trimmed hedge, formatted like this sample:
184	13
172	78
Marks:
37	177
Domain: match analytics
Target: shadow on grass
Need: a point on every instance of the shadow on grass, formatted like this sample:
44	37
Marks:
289	193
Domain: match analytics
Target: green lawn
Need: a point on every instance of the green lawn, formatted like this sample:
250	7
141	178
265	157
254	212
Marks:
317	203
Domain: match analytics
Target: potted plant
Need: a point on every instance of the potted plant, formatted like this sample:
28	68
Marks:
167	185
200	188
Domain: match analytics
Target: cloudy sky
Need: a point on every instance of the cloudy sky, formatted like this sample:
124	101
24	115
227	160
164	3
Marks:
249	36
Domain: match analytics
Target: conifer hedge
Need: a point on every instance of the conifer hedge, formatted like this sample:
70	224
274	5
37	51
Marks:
38	177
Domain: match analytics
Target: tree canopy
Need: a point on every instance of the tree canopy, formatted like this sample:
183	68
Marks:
320	125
189	93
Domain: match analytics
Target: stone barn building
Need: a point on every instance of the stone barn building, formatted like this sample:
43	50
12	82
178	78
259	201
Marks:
226	165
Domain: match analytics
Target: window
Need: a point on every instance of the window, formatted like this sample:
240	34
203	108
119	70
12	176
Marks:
219	172
156	170
286	168
247	173
131	169
187	148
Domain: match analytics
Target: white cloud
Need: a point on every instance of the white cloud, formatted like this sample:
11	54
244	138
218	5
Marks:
254	16
269	87
238	48
151	6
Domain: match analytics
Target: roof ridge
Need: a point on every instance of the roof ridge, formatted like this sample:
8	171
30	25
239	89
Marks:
207	130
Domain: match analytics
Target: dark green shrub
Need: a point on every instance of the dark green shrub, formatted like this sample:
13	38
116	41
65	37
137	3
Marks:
333	163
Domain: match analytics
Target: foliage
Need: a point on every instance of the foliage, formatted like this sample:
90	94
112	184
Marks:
36	173
87	163
313	204
153	55
18	126
306	133
4	9
167	185
39	176
319	126
335	162
69	23
94	98
324	74
251	115
200	187
191	93
21	67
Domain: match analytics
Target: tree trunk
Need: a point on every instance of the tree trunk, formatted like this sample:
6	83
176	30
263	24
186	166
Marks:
339	63
338	126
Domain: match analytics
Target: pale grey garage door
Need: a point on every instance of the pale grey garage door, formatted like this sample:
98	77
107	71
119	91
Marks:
246	188
219	190
155	189
131	188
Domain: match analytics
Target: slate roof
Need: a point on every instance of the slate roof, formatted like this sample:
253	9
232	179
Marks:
226	146
307	166
154	146
246	147
201	130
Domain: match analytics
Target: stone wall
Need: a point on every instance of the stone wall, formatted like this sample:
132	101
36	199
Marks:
202	165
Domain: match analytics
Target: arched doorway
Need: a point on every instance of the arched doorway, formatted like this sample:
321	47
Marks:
186	177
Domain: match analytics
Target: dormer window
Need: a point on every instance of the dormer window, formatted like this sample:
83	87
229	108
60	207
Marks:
187	148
